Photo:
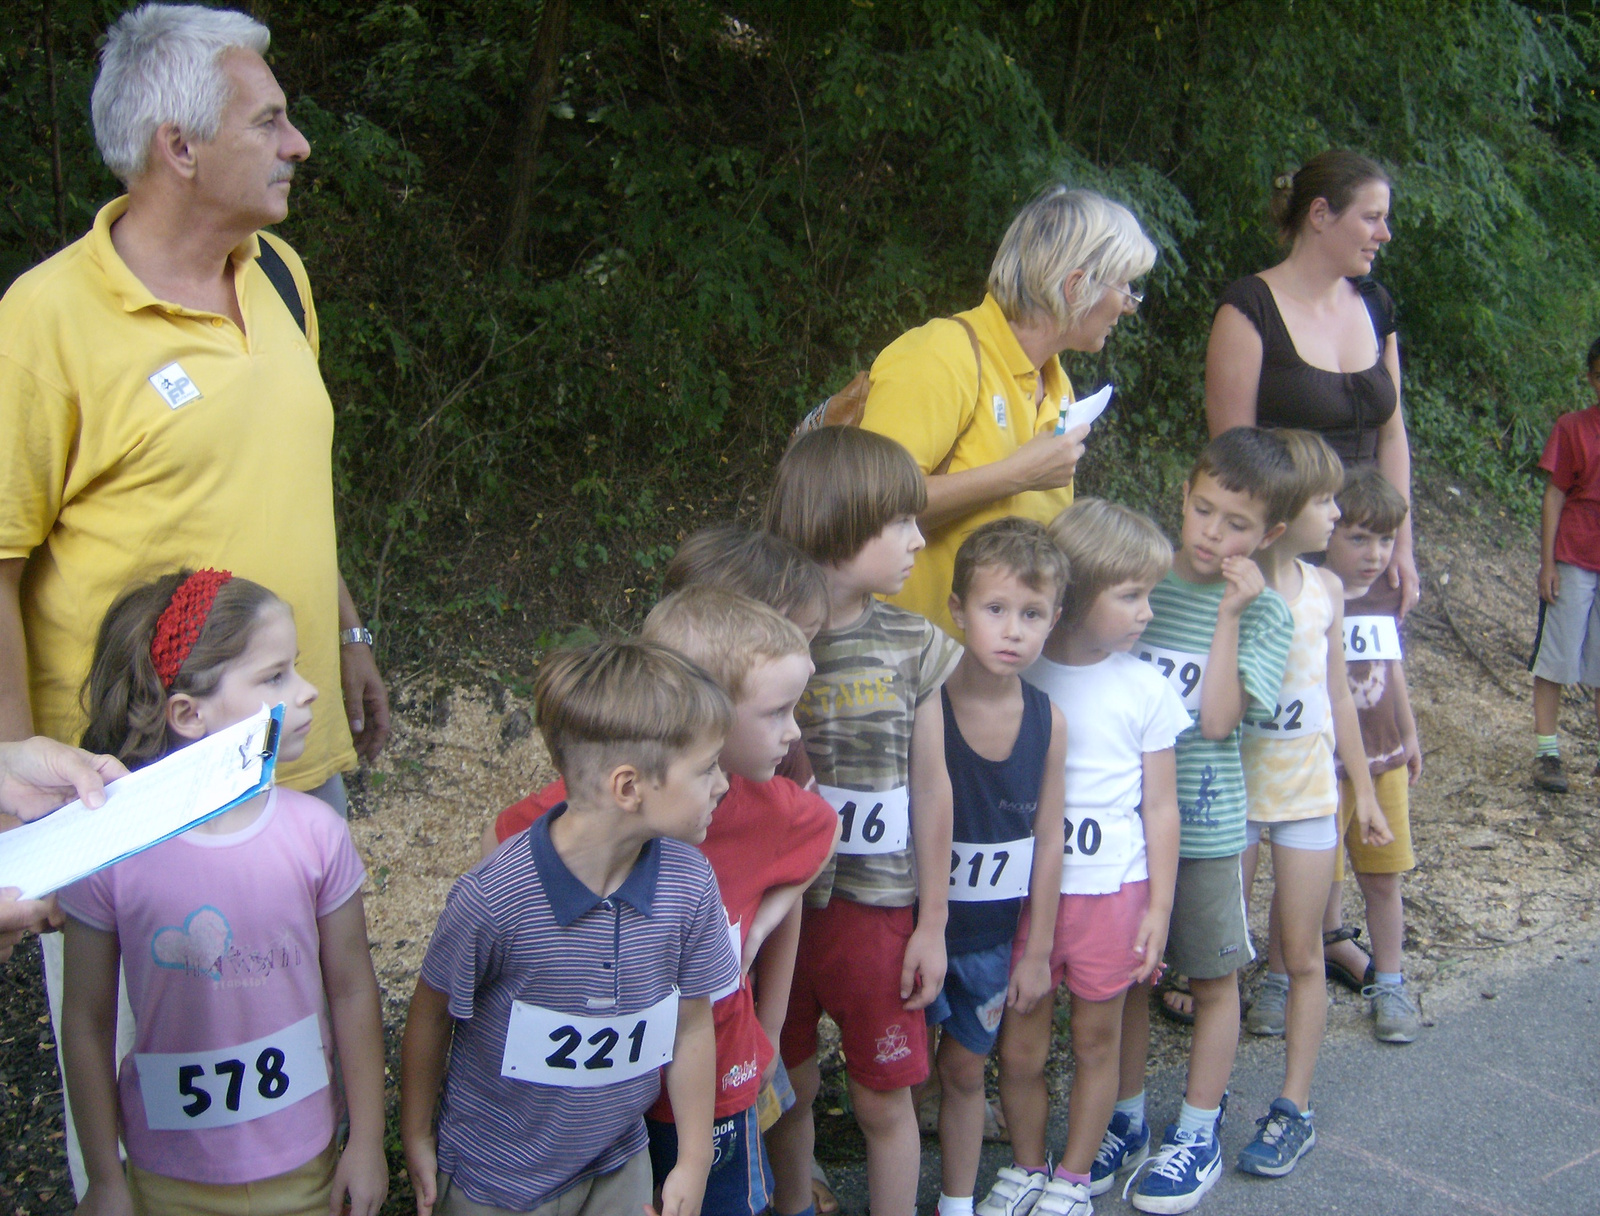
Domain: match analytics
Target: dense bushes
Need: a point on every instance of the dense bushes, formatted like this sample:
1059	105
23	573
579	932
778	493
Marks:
737	205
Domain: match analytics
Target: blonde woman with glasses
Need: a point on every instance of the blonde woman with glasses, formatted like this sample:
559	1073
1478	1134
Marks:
976	398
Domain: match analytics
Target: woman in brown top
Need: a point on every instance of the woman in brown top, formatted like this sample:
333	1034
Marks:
1310	342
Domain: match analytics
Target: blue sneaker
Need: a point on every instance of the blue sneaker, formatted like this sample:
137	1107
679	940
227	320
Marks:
1283	1136
1121	1148
1176	1178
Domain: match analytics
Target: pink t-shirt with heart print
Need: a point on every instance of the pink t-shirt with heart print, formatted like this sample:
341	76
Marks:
220	952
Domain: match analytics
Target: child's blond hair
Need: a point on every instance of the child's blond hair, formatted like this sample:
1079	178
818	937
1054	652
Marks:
1369	501
726	633
1019	546
751	562
1317	467
838	487
1106	544
629	702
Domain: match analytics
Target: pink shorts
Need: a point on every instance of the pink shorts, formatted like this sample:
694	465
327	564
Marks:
1093	951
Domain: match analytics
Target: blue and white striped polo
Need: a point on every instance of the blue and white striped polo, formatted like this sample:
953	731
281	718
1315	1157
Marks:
522	927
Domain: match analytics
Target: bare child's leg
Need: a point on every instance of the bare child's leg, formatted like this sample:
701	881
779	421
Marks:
894	1148
1024	1051
1547	706
792	1140
1135	1049
1248	861
1385	918
961	1111
1096	1035
1216	1039
1302	876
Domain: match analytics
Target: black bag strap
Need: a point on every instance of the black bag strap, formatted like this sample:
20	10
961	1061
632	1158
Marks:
282	280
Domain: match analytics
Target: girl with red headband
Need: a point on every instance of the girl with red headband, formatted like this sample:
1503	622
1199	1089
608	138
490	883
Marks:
243	941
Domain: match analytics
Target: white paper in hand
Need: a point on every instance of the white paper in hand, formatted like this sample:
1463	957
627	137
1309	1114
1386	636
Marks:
1085	411
144	808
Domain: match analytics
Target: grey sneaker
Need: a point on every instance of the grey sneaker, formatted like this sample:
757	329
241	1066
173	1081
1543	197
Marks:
1014	1193
1268	1010
1549	775
1395	1016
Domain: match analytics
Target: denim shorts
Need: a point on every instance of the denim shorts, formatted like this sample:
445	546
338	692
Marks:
974	997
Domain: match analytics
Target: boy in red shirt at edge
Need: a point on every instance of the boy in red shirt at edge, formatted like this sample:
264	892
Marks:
1566	649
768	839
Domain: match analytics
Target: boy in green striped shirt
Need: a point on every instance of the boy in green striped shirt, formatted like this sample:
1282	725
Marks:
1221	638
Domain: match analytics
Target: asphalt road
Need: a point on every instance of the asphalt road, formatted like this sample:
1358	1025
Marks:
1495	1110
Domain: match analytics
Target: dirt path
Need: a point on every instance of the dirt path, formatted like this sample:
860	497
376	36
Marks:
1506	874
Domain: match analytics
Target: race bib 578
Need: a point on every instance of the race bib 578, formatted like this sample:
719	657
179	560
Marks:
195	1090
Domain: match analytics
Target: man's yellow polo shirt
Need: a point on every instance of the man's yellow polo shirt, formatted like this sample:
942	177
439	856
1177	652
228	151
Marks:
925	392
136	437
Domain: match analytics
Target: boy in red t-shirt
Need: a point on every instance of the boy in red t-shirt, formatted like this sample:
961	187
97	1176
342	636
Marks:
1566	649
768	839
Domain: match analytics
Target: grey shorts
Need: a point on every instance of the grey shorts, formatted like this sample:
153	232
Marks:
625	1189
1566	649
1209	937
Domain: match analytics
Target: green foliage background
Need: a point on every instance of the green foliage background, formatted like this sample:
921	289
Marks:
740	203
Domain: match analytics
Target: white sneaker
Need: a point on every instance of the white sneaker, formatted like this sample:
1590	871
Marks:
1014	1193
1063	1198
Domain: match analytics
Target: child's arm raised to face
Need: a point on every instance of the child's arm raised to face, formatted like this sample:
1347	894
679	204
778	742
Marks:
424	1049
1158	808
1347	726
88	1051
692	1086
352	992
1030	981
1223	699
922	972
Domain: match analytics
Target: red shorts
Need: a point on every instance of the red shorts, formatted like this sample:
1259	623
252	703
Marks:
1093	950
849	968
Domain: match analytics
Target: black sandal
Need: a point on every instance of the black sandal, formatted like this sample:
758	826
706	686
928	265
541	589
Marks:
1174	985
1337	971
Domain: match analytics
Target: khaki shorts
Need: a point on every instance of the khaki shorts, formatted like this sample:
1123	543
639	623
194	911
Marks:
622	1192
1394	800
300	1192
1209	937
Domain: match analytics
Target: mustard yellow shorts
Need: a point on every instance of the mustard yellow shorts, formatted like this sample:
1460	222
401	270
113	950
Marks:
1394	799
300	1192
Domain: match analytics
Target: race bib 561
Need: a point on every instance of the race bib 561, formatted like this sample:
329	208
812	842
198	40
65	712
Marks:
1370	638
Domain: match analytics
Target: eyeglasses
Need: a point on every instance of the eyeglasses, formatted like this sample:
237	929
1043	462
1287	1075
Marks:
1136	298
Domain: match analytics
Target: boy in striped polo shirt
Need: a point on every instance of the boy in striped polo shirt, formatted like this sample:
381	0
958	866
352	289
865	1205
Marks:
1222	639
577	960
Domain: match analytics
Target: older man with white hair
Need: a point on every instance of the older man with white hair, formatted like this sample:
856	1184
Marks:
160	400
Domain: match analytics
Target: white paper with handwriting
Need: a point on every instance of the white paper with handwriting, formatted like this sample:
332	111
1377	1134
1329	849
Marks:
142	809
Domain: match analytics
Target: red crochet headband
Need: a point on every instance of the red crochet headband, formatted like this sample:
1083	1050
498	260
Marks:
181	621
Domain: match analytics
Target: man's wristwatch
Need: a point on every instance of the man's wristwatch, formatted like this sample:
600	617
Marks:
361	634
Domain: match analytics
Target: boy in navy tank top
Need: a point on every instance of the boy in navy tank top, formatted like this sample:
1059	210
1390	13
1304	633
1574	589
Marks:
1005	748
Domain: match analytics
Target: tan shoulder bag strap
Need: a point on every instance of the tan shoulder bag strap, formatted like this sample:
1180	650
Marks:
943	466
